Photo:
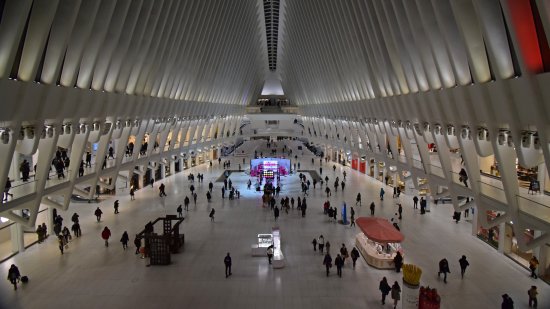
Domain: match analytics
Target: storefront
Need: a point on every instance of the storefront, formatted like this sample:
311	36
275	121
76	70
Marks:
511	248
490	235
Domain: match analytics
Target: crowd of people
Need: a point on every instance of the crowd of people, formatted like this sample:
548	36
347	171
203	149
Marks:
285	205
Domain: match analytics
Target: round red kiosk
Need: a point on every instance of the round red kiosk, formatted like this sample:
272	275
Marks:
379	242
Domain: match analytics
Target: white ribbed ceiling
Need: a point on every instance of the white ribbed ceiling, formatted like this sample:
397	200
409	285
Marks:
219	51
192	50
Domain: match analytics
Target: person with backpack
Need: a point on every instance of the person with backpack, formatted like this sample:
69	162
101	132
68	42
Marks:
211	215
180	211
443	268
14	275
385	289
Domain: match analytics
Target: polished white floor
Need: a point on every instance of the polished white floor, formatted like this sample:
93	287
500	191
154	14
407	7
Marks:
89	275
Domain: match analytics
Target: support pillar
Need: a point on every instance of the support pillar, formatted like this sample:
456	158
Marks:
17	237
501	237
541	176
172	167
162	167
50	219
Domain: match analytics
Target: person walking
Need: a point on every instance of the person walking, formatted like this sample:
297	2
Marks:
339	262
106	234
384	288
7	189
327	246
358	199
395	294
344	253
61	243
382	192
211	185
354	256
76	229
372	209
211	215
132	194
186	203
194	198
269	253
533	264
98	214
400	211
463	264
162	187
443	268
352	217
180	211
137	243
14	275
321	243
415	202
398	261
327	261
276	213
314	242
532	292
507	302
227	261
124	240
116	207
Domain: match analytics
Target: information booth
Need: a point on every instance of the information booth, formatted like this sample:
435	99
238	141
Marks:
379	242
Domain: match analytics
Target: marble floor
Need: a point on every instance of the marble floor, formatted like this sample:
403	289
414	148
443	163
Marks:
90	275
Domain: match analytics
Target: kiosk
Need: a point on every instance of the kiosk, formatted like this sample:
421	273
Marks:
379	242
264	241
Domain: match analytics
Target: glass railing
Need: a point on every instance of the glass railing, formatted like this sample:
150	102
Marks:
534	208
437	171
493	191
418	164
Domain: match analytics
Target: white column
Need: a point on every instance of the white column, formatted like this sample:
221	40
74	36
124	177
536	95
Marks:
50	220
501	237
172	167
541	177
17	239
162	170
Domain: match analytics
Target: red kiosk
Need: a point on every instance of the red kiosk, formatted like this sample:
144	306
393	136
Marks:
379	242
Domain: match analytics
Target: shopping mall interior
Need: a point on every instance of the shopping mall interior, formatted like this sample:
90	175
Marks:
108	103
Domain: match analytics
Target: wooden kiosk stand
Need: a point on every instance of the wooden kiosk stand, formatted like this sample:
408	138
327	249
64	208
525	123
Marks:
379	242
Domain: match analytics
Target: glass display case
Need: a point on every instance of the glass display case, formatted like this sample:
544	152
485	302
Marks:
260	247
265	240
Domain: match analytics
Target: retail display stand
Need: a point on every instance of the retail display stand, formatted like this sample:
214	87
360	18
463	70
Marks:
278	257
